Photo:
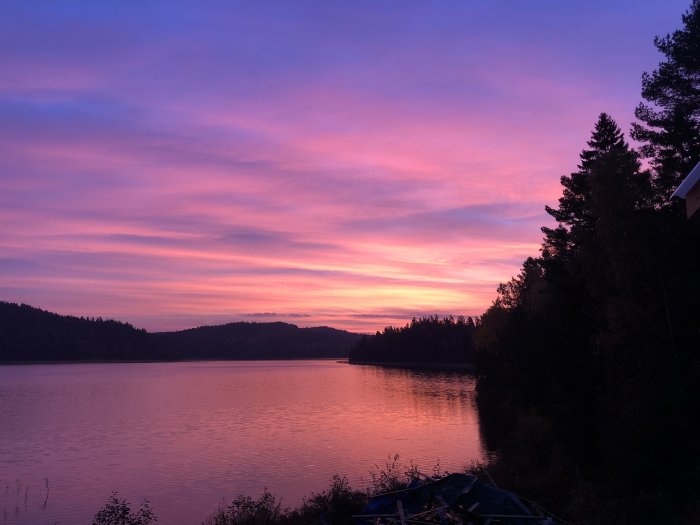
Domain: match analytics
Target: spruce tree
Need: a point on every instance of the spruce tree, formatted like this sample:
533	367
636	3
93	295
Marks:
576	212
669	123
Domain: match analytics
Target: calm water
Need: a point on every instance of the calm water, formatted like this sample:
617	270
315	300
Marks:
189	435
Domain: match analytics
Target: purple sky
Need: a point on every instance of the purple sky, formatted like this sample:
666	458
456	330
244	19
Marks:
353	164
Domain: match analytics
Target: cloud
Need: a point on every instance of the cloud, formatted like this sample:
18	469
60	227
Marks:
276	315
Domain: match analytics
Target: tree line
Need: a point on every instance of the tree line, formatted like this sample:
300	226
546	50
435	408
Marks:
431	339
589	359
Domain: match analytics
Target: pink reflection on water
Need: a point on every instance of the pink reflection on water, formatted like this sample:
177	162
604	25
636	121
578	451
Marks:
190	435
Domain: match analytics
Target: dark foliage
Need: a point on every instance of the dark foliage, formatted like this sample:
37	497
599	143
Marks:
669	123
118	512
335	505
589	372
589	385
31	334
245	510
426	340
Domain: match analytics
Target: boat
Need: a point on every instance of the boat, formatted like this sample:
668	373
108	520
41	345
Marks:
463	499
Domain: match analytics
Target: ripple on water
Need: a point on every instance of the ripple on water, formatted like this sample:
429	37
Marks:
188	436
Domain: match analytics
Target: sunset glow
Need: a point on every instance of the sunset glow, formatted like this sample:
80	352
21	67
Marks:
322	163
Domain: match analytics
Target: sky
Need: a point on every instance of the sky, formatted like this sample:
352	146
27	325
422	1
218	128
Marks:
351	164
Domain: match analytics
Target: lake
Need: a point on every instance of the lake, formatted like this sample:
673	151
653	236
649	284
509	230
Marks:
190	435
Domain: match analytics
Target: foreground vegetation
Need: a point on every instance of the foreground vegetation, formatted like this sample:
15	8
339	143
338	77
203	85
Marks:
335	505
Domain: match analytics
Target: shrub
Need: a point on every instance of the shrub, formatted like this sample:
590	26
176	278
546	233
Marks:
335	505
394	475
118	512
244	510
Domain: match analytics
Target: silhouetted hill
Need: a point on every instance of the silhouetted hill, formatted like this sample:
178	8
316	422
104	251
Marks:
32	334
258	341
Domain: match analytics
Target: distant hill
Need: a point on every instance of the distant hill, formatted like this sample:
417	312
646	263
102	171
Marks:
258	341
32	334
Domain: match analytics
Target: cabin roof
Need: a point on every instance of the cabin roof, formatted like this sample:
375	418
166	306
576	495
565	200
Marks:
688	183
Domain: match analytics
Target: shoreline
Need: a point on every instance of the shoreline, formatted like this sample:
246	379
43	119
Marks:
117	361
417	365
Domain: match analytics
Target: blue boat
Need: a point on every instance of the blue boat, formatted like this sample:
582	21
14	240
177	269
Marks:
454	499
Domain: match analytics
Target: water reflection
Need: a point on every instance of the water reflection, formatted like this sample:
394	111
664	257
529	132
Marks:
431	393
186	435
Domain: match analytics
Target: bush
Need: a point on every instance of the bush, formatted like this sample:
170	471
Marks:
394	475
118	512
335	505
246	511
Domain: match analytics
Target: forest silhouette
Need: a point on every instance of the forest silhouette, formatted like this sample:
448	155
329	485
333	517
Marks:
589	372
426	340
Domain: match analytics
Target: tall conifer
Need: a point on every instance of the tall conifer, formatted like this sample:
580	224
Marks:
576	211
669	126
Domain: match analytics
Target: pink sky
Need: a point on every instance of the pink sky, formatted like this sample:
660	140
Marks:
345	164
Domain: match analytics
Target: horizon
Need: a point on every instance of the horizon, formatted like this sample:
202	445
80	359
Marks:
223	323
98	318
350	166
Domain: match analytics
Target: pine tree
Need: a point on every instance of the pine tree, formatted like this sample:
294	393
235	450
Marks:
669	126
609	157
